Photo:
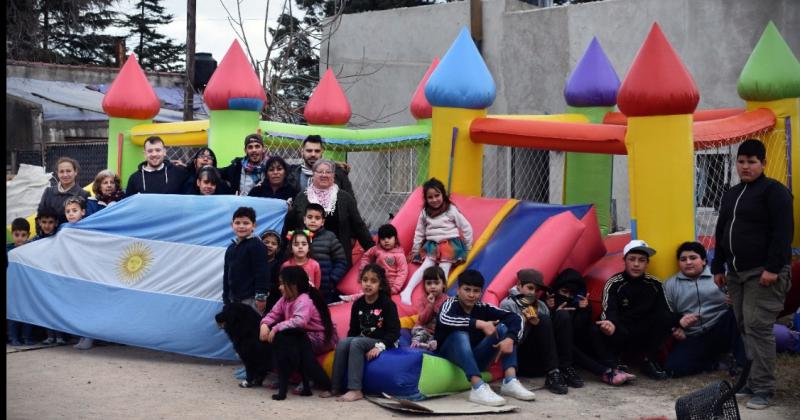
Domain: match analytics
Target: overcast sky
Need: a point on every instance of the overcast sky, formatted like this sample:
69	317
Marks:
213	33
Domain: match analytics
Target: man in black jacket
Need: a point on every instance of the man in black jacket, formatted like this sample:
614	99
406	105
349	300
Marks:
156	175
312	149
246	172
754	239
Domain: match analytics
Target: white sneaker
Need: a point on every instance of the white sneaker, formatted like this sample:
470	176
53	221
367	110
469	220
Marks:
485	396
515	389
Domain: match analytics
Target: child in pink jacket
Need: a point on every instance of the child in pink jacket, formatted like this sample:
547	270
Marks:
390	256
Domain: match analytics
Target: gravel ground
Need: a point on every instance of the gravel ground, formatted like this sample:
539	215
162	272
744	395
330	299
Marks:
113	381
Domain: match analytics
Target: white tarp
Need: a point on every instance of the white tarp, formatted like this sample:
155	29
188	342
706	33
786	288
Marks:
25	190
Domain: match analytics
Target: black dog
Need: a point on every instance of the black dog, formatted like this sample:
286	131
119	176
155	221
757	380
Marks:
241	322
292	352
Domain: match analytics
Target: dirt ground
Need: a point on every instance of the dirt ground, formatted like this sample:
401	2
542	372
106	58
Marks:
113	381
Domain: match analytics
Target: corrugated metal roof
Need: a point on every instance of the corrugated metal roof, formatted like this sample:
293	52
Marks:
66	101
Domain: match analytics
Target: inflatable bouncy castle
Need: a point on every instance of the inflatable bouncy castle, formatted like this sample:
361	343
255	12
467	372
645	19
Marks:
671	148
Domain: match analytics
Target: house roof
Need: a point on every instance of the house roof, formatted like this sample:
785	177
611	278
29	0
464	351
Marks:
67	101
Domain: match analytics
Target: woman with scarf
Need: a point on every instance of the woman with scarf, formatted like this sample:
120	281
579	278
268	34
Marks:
275	185
341	213
107	190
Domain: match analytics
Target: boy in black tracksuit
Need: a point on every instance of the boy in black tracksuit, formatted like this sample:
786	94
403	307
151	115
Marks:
245	275
636	315
472	334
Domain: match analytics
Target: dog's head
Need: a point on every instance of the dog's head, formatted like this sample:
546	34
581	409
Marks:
238	319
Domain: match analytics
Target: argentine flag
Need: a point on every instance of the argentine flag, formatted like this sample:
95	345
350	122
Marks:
145	272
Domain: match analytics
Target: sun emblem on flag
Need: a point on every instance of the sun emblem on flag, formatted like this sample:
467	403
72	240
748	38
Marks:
134	262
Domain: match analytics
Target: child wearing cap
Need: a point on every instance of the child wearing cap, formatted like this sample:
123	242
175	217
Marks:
636	316
538	352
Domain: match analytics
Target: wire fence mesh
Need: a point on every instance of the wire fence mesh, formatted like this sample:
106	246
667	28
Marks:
524	174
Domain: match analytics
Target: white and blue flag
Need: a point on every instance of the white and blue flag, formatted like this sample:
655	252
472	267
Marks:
145	272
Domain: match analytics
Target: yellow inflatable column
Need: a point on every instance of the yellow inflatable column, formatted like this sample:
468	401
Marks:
771	79
659	96
459	90
466	158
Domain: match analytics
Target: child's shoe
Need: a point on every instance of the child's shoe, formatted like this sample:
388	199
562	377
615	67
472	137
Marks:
485	396
49	341
84	344
514	389
555	382
60	341
571	377
617	377
240	373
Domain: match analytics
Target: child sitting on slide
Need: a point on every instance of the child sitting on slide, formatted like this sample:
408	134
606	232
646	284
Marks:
389	255
422	333
374	327
443	235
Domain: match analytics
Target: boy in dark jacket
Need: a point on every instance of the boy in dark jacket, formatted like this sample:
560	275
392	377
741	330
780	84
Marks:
327	251
245	276
471	333
156	175
20	231
754	240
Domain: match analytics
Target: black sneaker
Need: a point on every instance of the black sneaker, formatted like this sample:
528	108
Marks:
653	370
555	383
571	377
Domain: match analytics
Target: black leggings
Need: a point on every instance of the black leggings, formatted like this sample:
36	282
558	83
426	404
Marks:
291	347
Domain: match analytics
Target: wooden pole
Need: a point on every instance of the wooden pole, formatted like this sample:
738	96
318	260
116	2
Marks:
188	97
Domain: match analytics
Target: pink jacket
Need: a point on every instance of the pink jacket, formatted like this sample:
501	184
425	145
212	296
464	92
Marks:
427	312
448	225
301	313
393	261
311	268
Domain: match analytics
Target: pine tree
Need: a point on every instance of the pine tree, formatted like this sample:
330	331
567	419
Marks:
153	50
60	31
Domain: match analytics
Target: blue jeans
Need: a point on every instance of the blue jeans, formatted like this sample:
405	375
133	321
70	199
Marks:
457	349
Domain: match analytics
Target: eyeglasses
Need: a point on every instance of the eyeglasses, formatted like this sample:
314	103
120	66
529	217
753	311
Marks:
323	172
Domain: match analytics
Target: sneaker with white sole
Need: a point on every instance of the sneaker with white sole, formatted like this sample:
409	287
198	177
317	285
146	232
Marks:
514	389
485	396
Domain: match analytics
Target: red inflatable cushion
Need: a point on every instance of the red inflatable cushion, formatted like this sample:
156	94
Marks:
328	104
420	107
130	95
233	79
658	83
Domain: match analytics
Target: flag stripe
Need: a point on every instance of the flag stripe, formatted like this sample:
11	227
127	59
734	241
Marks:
158	321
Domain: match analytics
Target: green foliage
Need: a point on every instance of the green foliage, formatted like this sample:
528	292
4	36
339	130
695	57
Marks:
60	31
153	50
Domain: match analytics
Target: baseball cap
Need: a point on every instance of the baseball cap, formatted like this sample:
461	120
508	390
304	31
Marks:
253	138
529	275
638	245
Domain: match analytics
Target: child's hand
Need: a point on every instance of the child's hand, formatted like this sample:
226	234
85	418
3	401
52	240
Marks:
506	347
373	353
607	327
263	333
271	336
584	302
431	298
488	327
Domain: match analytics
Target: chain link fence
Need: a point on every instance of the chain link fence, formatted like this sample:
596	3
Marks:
91	156
523	174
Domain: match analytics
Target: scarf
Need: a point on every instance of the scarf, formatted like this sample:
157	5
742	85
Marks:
324	197
110	198
306	170
255	171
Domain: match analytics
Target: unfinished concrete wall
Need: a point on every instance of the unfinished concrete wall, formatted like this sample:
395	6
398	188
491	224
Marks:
531	52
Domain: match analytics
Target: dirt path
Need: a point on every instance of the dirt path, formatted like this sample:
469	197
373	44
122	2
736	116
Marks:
127	382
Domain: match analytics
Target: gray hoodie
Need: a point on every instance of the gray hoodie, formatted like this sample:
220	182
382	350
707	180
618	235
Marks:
700	295
512	305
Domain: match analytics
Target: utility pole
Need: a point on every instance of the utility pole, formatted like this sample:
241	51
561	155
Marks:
188	97
476	23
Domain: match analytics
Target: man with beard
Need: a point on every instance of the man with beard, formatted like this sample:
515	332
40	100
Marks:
246	172
311	151
156	175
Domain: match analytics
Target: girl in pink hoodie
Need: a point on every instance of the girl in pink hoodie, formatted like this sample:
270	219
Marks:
390	256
